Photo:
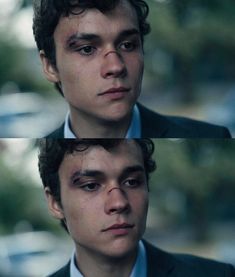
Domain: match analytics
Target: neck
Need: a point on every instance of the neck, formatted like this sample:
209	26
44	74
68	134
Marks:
86	126
96	265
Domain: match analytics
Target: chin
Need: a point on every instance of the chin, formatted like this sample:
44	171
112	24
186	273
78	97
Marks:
121	248
119	113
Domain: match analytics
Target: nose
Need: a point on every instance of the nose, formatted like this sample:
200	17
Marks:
113	65
117	201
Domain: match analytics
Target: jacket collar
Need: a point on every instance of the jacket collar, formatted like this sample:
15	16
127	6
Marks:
152	123
159	263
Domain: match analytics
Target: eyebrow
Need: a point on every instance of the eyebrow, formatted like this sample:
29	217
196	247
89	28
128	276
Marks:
100	174
131	169
91	37
86	173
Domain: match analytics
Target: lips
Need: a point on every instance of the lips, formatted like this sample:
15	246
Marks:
115	90
119	226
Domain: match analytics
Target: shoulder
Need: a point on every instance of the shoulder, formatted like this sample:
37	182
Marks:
201	129
63	272
57	134
204	266
158	125
160	261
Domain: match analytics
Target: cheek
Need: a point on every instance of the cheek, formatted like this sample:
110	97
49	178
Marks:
135	67
141	210
145	204
72	65
81	214
140	204
143	215
69	72
77	77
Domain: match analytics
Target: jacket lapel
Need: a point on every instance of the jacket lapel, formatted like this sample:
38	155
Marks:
58	133
159	263
63	272
153	125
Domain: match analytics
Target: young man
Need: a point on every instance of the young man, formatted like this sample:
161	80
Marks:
93	52
98	189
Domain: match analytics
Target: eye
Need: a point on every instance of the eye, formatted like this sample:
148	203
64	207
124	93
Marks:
132	183
90	187
128	46
86	50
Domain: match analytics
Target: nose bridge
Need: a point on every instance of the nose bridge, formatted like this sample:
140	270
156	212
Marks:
114	188
113	64
111	52
116	199
113	57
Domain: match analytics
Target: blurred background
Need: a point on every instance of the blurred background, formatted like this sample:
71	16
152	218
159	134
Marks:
190	66
192	205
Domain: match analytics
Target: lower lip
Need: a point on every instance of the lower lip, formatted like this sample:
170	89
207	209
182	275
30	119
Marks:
115	95
120	231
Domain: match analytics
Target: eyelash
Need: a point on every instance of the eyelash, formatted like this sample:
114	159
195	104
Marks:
134	44
130	183
85	187
137	182
80	49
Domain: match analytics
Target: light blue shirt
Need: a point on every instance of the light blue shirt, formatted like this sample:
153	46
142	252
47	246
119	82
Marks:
134	130
139	269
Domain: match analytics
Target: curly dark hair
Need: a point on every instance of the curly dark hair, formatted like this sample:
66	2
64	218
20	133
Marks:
48	12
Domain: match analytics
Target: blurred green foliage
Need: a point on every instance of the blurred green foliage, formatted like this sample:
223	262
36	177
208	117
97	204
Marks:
194	182
193	41
21	200
8	61
19	65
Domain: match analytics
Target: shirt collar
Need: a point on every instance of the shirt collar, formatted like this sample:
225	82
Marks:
139	269
68	134
134	130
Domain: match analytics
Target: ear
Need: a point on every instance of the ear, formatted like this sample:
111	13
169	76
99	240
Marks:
49	69
53	205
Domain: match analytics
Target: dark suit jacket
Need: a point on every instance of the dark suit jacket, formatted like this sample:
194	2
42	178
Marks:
163	264
155	125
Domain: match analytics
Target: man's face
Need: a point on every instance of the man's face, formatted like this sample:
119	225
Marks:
104	199
99	62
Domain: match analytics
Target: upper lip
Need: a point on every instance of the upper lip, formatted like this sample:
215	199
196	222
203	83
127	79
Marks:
115	89
118	226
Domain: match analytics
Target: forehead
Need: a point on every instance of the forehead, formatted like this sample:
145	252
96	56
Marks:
125	154
123	16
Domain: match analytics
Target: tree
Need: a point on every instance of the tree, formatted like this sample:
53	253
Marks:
21	200
197	170
189	30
